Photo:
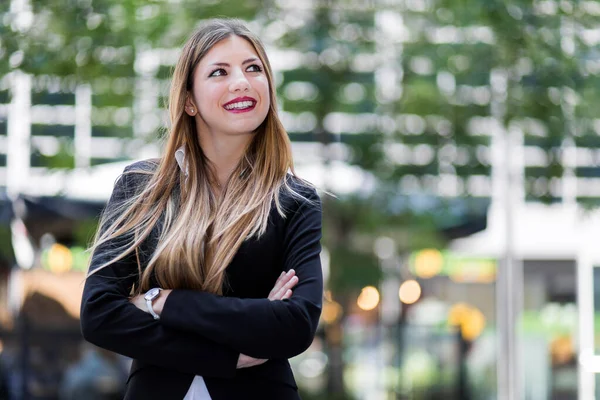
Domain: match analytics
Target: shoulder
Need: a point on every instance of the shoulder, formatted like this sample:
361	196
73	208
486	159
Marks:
299	184
143	166
299	193
138	173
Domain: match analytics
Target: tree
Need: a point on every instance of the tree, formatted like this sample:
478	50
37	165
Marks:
538	47
101	44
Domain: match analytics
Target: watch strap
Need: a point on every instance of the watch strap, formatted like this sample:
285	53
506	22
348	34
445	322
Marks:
149	298
151	310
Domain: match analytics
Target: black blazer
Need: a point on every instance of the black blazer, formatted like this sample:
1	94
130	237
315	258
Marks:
201	333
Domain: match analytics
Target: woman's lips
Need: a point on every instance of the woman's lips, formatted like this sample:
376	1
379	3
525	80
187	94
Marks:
240	105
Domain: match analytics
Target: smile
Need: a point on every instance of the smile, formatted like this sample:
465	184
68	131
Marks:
240	105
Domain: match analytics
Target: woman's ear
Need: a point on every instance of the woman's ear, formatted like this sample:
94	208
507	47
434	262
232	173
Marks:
190	107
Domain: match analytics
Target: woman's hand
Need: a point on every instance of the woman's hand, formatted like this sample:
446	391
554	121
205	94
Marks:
282	290
283	287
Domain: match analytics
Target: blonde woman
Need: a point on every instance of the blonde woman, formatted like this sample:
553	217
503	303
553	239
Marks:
197	253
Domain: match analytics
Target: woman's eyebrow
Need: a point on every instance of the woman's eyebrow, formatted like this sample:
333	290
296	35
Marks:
247	61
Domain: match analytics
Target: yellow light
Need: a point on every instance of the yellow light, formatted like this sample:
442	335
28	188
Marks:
473	324
60	258
410	291
457	314
469	319
428	263
368	298
561	350
332	311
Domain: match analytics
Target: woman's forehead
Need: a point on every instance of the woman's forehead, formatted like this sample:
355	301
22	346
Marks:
231	50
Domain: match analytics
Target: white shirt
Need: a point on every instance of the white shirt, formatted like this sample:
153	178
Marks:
197	390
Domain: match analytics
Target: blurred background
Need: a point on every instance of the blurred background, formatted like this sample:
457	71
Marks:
458	136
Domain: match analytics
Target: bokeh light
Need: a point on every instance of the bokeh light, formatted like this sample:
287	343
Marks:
470	320
332	311
428	263
410	292
368	298
60	258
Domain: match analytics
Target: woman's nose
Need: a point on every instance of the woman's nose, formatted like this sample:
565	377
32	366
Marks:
239	82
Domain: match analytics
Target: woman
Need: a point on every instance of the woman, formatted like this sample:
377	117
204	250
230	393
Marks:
197	252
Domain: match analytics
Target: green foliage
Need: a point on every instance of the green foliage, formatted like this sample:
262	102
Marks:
366	151
6	250
530	41
88	39
63	159
84	232
352	270
97	42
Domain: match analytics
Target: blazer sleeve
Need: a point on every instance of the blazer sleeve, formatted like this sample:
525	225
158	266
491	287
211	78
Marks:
259	327
110	321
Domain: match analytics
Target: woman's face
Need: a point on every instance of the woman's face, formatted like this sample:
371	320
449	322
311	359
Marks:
230	94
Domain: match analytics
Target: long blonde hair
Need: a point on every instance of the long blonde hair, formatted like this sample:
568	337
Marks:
199	234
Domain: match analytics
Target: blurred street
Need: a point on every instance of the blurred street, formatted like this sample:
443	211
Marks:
455	145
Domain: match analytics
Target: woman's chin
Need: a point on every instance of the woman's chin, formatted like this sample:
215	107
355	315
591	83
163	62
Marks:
245	129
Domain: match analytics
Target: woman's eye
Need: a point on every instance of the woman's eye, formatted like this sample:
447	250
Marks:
254	68
218	72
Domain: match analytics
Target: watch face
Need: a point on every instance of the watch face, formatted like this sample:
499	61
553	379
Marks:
151	294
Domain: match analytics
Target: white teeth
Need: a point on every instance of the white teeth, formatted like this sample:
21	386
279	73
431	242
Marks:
239	105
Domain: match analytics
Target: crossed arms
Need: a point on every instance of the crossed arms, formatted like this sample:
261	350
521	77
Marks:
201	333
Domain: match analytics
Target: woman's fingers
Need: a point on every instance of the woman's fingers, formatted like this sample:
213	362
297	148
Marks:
278	284
286	287
245	361
283	279
257	361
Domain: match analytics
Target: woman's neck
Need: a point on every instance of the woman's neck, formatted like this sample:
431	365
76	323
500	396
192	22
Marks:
224	153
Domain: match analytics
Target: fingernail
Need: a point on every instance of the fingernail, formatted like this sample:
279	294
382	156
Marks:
282	273
291	271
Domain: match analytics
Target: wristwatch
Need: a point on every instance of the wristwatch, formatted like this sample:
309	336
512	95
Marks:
149	297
